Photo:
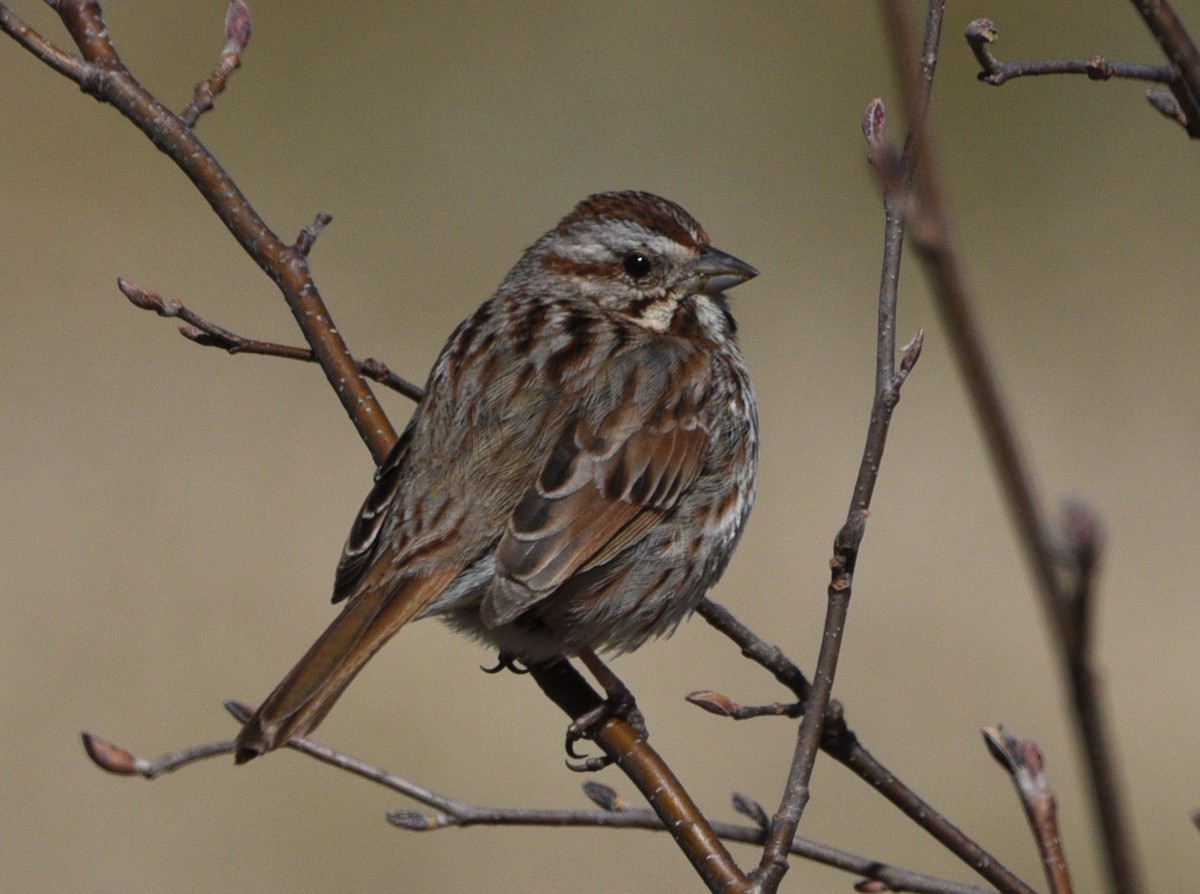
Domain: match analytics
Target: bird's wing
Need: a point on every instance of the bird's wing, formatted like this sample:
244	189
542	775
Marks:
363	544
605	482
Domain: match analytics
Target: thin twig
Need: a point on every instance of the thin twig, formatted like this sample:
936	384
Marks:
888	381
758	650
205	332
66	64
982	32
119	760
1182	76
238	28
1023	761
623	817
724	706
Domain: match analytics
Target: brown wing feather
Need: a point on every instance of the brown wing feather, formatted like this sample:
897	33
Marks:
599	491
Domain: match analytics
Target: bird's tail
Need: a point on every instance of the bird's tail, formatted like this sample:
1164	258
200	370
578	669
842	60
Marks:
304	697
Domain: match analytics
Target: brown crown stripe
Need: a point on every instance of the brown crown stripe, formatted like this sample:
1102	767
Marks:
651	211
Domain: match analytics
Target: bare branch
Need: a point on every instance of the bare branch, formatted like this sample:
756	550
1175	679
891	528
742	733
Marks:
1181	76
64	63
843	745
627	748
935	245
85	23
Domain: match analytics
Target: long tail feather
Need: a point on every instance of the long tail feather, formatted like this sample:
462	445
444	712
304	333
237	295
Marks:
306	694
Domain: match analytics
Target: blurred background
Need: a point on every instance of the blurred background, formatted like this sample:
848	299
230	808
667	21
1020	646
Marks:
172	515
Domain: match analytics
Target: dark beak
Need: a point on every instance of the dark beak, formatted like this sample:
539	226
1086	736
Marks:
714	271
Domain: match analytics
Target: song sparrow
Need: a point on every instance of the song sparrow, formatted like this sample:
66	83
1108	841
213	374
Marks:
578	472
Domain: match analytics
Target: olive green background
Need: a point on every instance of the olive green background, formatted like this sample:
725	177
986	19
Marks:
172	515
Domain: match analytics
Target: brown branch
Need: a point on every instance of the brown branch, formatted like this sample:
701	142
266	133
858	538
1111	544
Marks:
626	748
935	246
64	63
1024	764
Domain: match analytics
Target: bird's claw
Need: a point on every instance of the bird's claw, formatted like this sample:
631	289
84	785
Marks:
620	704
506	662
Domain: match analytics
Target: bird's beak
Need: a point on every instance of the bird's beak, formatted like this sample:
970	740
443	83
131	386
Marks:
715	271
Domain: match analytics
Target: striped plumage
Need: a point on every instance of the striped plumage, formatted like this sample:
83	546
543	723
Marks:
576	476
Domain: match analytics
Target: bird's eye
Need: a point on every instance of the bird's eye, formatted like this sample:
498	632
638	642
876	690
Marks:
637	265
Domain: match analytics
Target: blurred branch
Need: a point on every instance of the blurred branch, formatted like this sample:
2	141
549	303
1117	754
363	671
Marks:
935	246
1023	761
